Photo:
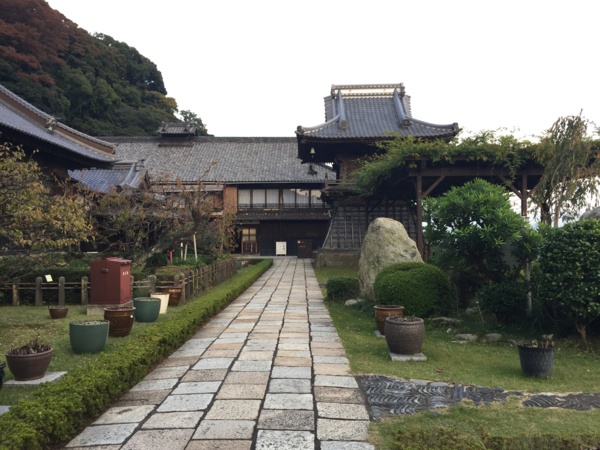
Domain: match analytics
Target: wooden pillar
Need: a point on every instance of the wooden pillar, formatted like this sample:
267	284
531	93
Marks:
524	195
61	291
38	291
84	290
152	283
420	244
15	291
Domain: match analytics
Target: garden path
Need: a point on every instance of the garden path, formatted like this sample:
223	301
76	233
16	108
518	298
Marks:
268	372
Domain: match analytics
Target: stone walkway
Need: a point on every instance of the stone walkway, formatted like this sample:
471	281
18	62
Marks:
268	372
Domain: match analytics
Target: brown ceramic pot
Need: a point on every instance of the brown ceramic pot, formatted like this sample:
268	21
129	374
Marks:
58	312
384	311
120	320
404	335
29	367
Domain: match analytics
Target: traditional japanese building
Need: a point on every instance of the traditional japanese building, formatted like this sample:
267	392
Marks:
357	117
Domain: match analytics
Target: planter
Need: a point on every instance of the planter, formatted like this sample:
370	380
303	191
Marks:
29	367
88	336
2	366
404	335
382	312
120	320
536	361
164	300
174	295
146	309
58	312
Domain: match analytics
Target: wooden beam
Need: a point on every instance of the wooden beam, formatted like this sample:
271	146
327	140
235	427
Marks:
432	187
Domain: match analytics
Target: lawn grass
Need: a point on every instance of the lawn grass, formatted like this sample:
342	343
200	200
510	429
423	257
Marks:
324	273
487	365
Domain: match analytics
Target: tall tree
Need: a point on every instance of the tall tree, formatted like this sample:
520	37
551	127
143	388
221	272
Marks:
571	169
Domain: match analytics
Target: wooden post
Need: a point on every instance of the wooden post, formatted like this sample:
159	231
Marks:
152	281
38	291
15	291
61	291
84	290
420	244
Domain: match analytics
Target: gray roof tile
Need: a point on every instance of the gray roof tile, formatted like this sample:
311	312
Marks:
26	123
372	112
221	159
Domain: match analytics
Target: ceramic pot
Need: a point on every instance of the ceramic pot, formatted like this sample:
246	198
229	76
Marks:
58	312
536	361
88	336
120	320
29	367
404	335
146	309
382	312
174	295
164	300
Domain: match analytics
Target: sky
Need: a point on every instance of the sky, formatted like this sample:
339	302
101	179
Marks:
263	67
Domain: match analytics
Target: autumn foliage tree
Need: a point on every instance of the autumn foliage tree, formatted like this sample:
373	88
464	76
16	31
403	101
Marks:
30	218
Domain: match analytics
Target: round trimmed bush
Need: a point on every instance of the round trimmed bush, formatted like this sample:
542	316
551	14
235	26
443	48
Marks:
423	289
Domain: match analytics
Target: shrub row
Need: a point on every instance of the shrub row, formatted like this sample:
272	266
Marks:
60	410
340	289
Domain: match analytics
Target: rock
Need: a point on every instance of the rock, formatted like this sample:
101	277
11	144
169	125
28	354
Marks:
471	311
466	337
493	337
385	243
354	301
591	214
444	321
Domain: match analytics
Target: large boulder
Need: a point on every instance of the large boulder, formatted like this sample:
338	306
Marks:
385	243
591	214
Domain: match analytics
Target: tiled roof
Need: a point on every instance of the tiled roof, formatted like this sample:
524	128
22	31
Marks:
221	159
18	115
123	174
372	112
177	129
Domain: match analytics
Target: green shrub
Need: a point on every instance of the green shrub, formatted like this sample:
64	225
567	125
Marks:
570	266
60	410
506	300
342	288
423	289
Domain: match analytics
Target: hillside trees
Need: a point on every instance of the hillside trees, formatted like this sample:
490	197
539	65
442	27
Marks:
95	84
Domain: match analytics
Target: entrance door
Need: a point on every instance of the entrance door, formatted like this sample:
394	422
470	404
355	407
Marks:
249	244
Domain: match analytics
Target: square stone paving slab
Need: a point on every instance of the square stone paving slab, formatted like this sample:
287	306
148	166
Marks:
159	439
205	375
290	385
258	355
291	372
289	419
103	435
155	385
292	361
175	361
167	372
338	395
234	410
188	402
332	369
124	414
219	445
247	378
225	429
284	440
242	391
288	401
342	411
213	363
184	419
342	430
137	398
334	381
252	366
197	387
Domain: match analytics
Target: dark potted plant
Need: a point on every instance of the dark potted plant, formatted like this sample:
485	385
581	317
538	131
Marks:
146	308
404	335
57	311
29	361
537	358
88	336
120	320
382	312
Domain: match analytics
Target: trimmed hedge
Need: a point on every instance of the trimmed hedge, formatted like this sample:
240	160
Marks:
60	410
342	288
507	300
423	289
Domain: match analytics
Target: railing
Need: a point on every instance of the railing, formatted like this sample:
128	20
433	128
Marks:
282	206
191	282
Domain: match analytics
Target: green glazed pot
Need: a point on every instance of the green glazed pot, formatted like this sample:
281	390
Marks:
146	309
88	336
